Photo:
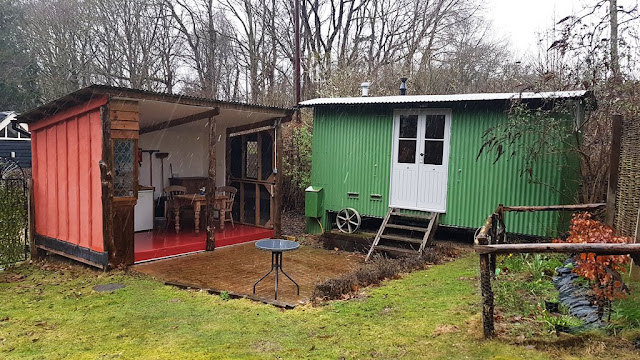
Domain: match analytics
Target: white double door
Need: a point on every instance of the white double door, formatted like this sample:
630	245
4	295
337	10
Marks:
420	162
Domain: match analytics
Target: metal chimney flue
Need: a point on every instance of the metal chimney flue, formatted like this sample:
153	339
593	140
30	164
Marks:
365	89
403	86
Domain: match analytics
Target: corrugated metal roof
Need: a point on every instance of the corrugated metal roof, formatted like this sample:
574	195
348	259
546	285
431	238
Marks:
408	99
84	94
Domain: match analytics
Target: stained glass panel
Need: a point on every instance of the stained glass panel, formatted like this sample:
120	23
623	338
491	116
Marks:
251	168
124	168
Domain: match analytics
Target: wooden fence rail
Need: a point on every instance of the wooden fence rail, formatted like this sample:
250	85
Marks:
490	240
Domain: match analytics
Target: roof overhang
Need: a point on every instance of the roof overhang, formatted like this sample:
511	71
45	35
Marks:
157	108
453	98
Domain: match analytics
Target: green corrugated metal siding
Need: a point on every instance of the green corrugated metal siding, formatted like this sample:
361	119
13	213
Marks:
352	153
475	188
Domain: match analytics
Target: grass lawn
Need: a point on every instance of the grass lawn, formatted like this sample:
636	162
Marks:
51	312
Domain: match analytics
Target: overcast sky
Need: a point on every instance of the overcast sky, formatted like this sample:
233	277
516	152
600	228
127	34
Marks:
520	20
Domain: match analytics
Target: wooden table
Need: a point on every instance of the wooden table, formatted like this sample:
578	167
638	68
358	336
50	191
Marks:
197	201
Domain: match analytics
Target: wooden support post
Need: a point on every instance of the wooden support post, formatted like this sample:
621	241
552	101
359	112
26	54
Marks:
634	272
487	292
277	192
211	185
493	237
106	184
614	171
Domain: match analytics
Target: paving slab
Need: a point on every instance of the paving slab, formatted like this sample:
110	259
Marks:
236	268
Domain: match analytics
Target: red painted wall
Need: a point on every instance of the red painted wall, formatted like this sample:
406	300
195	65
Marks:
66	152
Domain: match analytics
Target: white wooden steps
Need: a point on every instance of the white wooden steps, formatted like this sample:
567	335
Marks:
398	231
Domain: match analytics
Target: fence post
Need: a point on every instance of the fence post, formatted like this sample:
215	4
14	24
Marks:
487	292
493	231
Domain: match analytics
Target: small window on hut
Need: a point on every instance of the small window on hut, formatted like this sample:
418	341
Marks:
11	133
124	168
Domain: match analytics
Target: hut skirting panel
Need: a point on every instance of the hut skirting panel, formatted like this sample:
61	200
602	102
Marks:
73	251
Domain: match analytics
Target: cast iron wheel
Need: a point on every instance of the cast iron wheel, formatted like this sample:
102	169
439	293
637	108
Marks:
348	220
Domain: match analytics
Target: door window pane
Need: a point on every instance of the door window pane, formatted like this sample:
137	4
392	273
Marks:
407	152
251	169
433	152
435	127
408	126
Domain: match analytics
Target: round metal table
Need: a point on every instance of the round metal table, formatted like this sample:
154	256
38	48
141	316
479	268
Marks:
277	247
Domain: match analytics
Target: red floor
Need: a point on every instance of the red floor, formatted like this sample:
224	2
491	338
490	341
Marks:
158	244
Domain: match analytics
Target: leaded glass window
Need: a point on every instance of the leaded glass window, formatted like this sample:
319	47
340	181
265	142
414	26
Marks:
251	169
124	168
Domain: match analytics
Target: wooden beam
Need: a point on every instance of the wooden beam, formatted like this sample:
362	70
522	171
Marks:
600	249
211	184
614	168
244	129
251	131
136	94
577	207
183	120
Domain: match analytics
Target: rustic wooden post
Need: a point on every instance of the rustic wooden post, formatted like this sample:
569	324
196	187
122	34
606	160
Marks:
502	233
487	293
634	272
211	185
106	182
277	191
614	168
493	238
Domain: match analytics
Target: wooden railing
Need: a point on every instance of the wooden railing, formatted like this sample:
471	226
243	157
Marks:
491	240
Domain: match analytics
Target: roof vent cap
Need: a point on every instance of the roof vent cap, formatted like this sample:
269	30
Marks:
403	86
365	88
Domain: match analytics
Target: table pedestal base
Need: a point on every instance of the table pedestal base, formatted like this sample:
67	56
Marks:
276	264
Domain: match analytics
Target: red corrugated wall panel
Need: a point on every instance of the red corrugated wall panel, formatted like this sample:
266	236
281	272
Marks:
72	181
97	242
66	176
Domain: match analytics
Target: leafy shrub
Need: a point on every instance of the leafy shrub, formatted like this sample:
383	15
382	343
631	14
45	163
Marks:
296	163
13	221
602	271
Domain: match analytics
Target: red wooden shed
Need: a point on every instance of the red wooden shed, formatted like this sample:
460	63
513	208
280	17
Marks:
93	157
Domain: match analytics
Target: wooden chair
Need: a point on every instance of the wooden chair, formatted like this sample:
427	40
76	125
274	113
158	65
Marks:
230	192
169	192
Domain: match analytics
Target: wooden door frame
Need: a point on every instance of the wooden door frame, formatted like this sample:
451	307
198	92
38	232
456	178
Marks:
274	128
395	133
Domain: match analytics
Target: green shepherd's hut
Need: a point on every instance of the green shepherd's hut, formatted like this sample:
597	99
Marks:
417	155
